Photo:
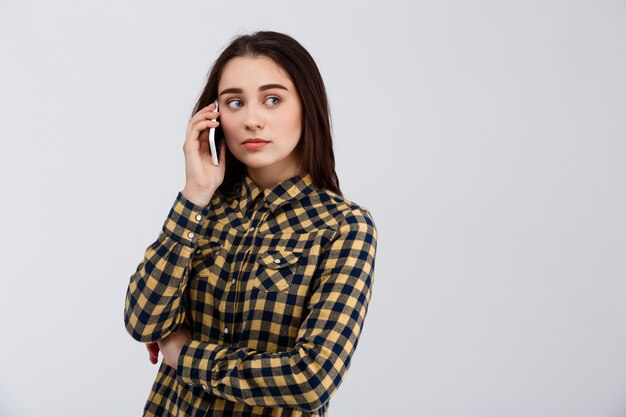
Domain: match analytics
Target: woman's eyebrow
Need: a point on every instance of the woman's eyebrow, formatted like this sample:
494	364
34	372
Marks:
261	88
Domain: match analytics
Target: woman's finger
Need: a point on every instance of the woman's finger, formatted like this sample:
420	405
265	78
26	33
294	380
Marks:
153	351
208	111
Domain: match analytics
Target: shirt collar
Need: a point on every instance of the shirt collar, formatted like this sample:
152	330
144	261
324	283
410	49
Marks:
275	196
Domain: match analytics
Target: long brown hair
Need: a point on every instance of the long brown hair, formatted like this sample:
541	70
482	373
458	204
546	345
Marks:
315	146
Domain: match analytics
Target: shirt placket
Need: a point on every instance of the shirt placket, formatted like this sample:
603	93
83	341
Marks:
233	310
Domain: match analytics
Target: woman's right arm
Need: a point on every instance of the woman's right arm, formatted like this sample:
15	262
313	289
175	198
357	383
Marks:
154	306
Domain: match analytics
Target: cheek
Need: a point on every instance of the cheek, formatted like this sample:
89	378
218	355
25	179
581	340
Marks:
227	124
293	122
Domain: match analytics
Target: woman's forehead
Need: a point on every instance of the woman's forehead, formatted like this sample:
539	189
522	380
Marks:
250	73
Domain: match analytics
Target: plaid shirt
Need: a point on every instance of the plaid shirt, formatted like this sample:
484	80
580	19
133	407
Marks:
274	285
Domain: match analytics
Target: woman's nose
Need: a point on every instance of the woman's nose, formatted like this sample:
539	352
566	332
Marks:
254	119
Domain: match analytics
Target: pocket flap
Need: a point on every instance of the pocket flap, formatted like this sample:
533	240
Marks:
207	248
275	259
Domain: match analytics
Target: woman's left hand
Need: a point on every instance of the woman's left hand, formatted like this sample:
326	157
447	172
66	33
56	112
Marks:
172	345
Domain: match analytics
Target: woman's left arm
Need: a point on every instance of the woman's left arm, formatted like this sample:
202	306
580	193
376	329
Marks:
306	376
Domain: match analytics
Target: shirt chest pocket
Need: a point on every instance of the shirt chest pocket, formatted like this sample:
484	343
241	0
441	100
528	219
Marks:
208	259
274	270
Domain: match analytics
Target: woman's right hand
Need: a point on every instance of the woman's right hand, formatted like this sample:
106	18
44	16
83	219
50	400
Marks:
153	352
202	177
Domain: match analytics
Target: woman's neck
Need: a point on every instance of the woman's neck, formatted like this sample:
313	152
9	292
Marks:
266	177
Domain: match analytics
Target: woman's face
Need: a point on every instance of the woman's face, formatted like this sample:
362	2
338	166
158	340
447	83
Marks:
258	100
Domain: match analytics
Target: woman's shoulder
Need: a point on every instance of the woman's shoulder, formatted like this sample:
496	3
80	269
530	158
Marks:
343	210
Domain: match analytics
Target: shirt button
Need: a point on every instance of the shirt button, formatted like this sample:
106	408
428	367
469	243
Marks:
190	384
251	229
203	386
277	260
226	330
233	281
198	251
190	235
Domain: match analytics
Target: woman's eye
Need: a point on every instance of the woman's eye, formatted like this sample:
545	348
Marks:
274	98
274	101
232	101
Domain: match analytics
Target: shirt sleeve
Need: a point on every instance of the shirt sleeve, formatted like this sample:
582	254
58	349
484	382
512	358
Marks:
306	376
154	305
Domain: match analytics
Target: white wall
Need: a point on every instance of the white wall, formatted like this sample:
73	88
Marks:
488	139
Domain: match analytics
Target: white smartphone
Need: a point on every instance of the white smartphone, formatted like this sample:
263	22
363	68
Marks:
212	140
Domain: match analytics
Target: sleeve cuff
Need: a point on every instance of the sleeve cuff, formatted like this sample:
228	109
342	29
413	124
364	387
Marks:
185	221
195	363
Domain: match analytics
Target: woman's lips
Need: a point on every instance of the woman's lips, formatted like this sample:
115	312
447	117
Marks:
253	146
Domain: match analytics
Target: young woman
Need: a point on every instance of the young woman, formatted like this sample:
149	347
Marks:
257	287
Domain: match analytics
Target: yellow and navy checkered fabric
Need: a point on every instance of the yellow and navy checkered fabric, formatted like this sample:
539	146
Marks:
274	284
